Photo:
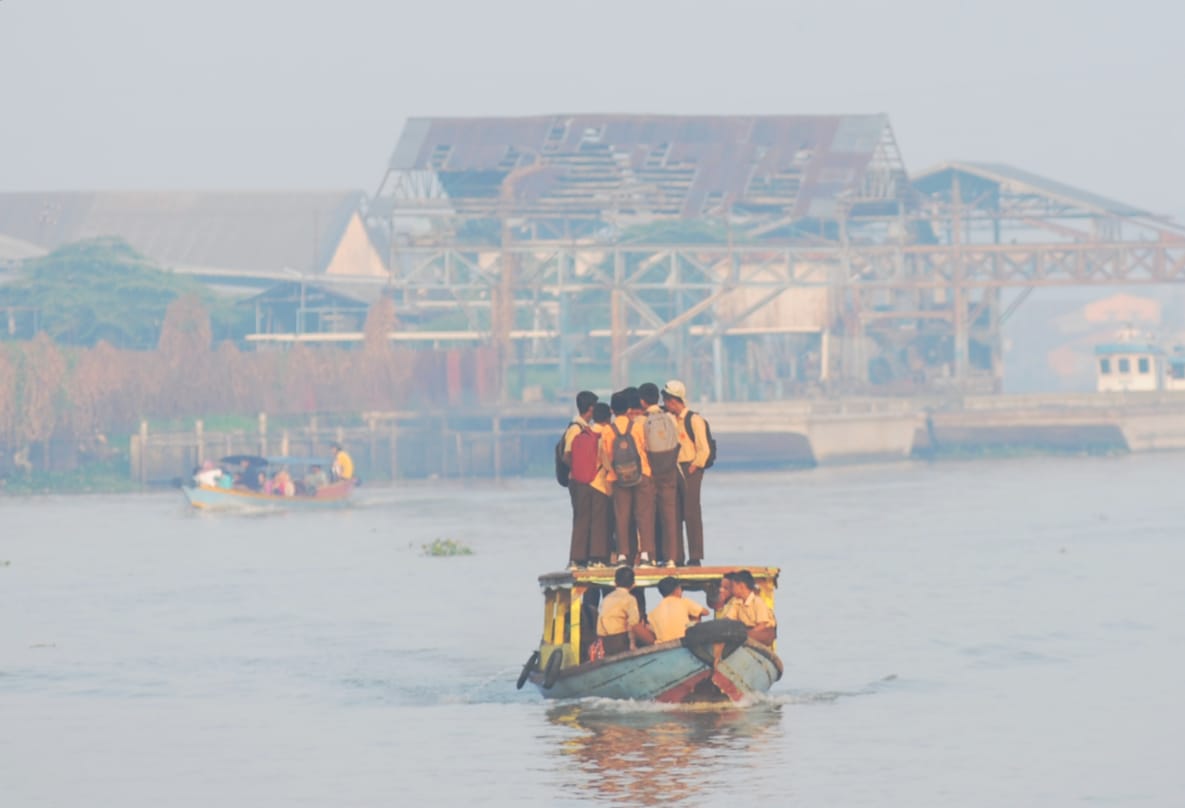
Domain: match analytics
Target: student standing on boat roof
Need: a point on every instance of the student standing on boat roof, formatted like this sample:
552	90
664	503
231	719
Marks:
633	503
693	456
600	530
619	624
582	471
342	467
750	608
674	613
662	452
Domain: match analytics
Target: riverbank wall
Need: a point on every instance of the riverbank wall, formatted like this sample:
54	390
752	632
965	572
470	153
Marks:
519	440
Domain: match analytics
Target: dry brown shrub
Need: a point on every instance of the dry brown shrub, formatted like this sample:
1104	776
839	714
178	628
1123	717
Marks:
183	358
8	395
44	373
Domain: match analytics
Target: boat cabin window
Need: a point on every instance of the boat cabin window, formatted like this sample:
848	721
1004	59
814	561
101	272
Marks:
1105	366
1125	365
1142	364
1177	370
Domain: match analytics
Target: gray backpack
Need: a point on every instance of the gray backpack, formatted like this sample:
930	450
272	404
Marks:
662	441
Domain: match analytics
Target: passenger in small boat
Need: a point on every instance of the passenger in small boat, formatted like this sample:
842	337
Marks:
282	484
316	478
670	619
749	608
208	474
342	467
620	625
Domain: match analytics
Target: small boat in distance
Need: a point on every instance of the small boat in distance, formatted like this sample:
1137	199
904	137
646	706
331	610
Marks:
715	662
250	490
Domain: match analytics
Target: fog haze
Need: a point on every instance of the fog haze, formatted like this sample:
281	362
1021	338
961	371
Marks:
144	94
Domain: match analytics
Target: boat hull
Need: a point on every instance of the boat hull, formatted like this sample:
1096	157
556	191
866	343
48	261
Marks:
669	672
204	497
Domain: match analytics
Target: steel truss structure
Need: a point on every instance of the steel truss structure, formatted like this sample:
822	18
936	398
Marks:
869	283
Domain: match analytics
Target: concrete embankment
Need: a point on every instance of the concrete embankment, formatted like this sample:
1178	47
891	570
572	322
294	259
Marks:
520	440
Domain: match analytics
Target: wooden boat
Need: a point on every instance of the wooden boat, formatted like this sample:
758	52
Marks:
716	661
210	497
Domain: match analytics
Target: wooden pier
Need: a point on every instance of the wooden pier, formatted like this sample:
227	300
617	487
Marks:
517	441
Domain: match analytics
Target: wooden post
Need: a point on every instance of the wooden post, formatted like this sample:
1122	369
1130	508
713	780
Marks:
143	470
371	427
497	447
200	439
393	446
263	434
284	443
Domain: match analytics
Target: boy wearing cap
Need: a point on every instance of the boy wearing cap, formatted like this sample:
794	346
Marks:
693	454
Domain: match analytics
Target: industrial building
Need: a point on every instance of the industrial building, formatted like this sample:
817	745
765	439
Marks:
756	256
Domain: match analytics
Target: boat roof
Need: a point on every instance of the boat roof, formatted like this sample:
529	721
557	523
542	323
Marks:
277	460
650	576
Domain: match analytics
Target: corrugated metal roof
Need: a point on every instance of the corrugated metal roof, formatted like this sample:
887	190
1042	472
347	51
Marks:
655	165
243	231
1010	179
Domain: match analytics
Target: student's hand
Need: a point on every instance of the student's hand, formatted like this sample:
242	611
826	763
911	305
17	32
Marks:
692	469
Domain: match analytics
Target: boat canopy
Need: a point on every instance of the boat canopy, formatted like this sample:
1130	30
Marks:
644	577
277	460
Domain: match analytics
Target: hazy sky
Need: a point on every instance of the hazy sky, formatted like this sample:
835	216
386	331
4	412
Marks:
263	94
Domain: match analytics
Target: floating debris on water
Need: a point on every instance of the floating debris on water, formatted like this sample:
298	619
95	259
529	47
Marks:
447	547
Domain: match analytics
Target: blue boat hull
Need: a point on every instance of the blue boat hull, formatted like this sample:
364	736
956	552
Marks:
668	672
335	495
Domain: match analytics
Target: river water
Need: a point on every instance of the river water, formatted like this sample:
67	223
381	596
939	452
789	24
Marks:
996	633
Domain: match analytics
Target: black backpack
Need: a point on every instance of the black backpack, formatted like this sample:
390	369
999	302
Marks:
561	468
708	432
627	464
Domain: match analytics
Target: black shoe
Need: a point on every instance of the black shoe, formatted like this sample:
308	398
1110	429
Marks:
695	562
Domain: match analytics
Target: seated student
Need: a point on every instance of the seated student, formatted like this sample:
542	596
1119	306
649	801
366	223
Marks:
282	484
719	599
620	625
208	474
674	613
316	478
748	607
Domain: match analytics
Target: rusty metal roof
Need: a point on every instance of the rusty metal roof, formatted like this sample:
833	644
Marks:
1006	179
650	166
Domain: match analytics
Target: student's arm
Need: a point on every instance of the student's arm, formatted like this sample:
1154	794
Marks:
764	634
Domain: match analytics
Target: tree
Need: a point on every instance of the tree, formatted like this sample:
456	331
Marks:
102	289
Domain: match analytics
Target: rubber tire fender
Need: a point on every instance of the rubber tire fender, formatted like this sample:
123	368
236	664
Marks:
532	663
552	671
700	638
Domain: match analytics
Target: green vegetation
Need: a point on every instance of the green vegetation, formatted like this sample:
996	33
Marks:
110	476
447	547
103	290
